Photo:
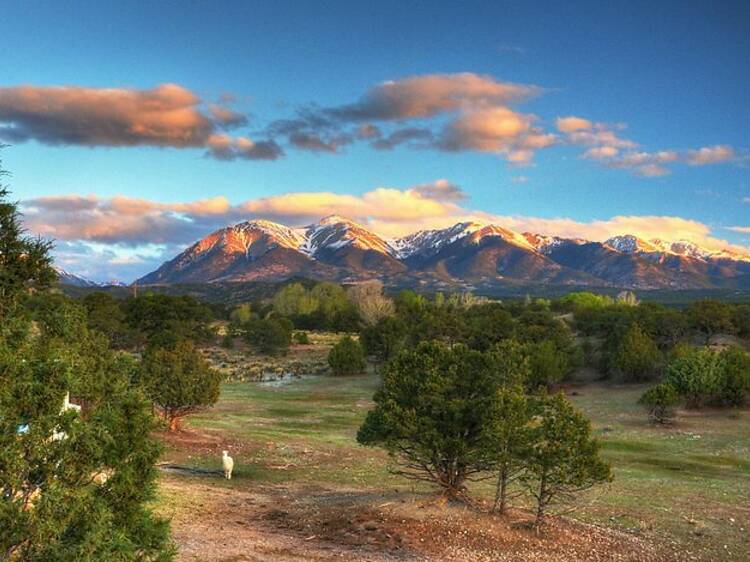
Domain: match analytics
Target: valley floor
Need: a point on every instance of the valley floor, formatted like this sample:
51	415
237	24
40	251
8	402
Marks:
304	490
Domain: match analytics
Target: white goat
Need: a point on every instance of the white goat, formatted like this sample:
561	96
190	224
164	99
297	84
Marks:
68	406
228	464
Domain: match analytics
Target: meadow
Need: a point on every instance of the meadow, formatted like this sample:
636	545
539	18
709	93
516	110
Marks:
685	488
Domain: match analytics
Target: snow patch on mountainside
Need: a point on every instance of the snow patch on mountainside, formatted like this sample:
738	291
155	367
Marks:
334	232
430	242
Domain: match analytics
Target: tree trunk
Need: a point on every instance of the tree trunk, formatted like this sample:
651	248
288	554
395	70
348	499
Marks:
501	491
451	478
541	502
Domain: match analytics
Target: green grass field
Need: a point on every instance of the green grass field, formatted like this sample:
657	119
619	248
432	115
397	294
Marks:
688	484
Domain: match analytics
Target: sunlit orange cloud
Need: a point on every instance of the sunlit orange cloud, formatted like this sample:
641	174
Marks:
166	116
499	130
431	94
389	211
571	124
710	155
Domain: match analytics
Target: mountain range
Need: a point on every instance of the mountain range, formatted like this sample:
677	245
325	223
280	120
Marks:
467	254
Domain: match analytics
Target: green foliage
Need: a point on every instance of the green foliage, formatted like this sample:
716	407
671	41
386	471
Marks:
301	338
660	402
271	336
346	357
486	325
511	362
584	300
383	339
326	307
507	438
697	377
710	317
294	300
563	458
106	315
241	314
735	384
55	505
741	320
164	320
179	381
636	355
547	364
666	326
430	413
25	264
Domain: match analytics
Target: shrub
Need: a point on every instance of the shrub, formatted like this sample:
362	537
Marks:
301	338
735	382
660	401
697	376
346	357
547	365
271	336
383	339
711	317
179	381
636	356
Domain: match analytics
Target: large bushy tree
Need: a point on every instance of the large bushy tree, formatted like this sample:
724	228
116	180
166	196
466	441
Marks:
179	381
636	355
56	504
346	357
562	459
430	414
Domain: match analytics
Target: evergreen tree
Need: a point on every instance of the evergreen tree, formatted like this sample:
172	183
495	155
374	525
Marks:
562	459
636	356
74	483
179	381
430	414
697	376
660	401
507	435
346	357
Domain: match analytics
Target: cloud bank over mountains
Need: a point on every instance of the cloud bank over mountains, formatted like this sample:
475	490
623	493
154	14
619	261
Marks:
463	112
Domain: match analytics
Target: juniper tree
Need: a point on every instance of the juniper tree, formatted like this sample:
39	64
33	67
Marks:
346	357
179	381
562	458
507	439
660	401
430	414
54	505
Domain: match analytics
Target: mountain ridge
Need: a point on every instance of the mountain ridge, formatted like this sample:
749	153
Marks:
465	253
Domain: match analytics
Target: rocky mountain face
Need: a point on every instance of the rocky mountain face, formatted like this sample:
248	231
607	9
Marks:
468	253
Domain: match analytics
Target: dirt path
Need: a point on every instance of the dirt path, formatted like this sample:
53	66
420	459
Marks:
215	523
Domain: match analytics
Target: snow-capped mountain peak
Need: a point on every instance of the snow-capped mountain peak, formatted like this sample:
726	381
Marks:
629	244
431	241
334	232
493	230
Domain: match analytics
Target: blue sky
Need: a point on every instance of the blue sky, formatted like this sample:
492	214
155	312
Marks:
665	79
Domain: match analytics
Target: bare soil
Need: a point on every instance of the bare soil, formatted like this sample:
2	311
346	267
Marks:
232	521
